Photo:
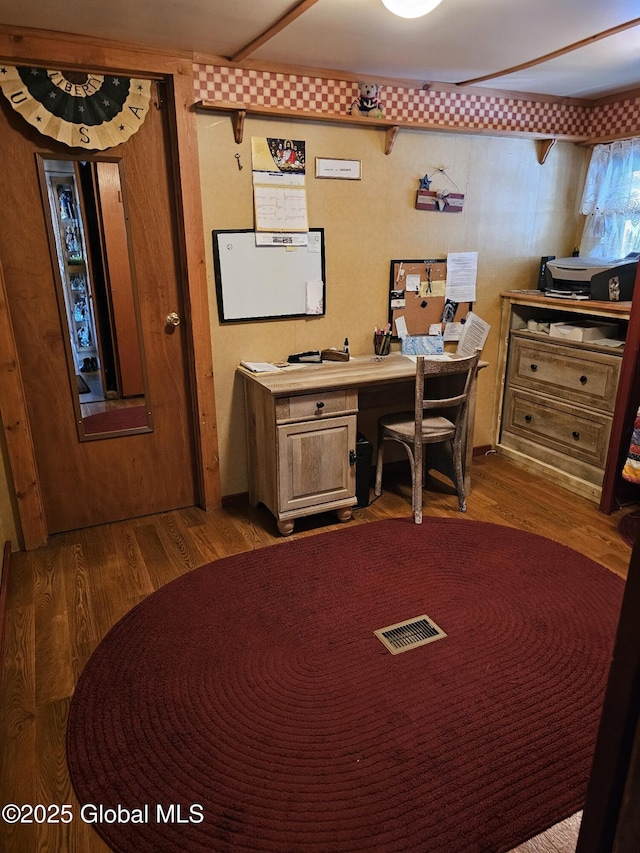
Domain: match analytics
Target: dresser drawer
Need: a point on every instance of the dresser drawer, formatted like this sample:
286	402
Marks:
552	424
570	373
320	404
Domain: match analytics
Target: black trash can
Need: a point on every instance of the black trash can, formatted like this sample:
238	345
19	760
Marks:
364	455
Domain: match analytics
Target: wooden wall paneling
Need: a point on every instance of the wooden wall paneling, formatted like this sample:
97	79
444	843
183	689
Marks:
187	180
4	572
614	488
15	421
613	769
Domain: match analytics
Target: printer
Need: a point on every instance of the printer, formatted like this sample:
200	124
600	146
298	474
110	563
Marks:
592	278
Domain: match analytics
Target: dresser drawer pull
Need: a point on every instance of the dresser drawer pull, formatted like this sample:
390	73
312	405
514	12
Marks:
575	434
583	380
534	367
320	405
528	418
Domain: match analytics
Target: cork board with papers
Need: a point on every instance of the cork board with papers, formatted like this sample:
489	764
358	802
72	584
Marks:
417	295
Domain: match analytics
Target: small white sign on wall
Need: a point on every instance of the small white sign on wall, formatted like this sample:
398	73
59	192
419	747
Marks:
346	170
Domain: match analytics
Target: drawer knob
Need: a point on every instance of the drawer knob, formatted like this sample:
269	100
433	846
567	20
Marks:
575	434
320	405
528	418
583	380
534	367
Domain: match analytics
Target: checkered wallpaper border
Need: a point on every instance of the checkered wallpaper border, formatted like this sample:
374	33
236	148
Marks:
616	119
458	110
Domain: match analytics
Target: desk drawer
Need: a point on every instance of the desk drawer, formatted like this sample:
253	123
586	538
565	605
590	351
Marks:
578	433
320	404
569	373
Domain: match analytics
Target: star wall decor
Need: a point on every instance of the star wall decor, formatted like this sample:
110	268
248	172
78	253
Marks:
79	109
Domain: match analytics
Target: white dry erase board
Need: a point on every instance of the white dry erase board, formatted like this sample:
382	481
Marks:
268	282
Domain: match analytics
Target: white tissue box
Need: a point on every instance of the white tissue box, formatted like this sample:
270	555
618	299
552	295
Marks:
583	331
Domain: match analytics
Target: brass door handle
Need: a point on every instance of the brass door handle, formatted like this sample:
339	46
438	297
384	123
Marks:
172	319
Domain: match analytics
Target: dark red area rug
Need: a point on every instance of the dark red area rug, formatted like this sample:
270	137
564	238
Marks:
248	706
129	417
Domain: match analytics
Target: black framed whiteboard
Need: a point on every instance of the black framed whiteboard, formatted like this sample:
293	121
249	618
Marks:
268	282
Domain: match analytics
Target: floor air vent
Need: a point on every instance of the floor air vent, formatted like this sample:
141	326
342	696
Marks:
409	634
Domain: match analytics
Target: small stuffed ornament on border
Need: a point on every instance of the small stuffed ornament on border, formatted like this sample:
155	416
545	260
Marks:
368	102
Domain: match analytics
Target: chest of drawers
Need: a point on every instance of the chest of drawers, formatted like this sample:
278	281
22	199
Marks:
558	403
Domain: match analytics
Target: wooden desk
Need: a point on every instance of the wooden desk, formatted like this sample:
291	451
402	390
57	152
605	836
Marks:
302	427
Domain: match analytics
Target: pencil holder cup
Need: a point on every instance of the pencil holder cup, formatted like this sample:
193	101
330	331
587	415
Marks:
381	344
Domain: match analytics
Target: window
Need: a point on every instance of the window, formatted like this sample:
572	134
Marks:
611	201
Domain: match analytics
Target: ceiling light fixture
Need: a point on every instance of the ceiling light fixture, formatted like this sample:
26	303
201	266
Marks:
410	8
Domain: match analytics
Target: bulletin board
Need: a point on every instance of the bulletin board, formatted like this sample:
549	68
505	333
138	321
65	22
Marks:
417	293
267	282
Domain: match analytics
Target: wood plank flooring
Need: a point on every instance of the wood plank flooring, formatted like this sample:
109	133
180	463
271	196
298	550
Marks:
62	599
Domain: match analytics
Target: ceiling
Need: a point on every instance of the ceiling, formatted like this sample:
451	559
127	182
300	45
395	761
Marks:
459	42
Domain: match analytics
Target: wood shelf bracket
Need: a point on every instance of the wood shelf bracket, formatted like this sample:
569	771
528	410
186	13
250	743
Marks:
544	146
390	138
238	125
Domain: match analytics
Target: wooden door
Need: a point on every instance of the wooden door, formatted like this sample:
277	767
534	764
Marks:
93	482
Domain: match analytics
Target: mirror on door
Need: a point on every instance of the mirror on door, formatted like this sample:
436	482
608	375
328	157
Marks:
85	205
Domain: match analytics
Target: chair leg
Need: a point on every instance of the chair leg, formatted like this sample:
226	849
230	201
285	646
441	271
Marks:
416	479
416	483
458	475
377	490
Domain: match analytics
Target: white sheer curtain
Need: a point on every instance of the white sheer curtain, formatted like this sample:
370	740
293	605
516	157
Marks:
611	201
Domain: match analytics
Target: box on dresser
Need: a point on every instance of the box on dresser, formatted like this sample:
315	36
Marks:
583	331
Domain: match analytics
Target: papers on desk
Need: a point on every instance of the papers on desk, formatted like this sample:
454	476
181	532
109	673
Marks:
445	356
259	366
474	335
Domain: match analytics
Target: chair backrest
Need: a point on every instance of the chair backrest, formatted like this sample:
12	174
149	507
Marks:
436	393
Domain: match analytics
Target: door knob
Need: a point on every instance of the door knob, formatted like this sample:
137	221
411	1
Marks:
173	319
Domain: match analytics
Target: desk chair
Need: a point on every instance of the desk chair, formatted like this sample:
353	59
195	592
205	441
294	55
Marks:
434	420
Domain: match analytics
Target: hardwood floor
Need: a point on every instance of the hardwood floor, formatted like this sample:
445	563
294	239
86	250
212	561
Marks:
62	599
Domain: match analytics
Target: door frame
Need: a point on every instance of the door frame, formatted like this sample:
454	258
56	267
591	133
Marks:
22	46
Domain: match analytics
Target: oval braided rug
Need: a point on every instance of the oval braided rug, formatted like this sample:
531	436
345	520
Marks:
251	701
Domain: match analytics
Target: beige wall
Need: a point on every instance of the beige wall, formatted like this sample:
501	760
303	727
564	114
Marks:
516	210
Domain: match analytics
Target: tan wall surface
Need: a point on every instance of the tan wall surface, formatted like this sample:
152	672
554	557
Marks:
515	211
